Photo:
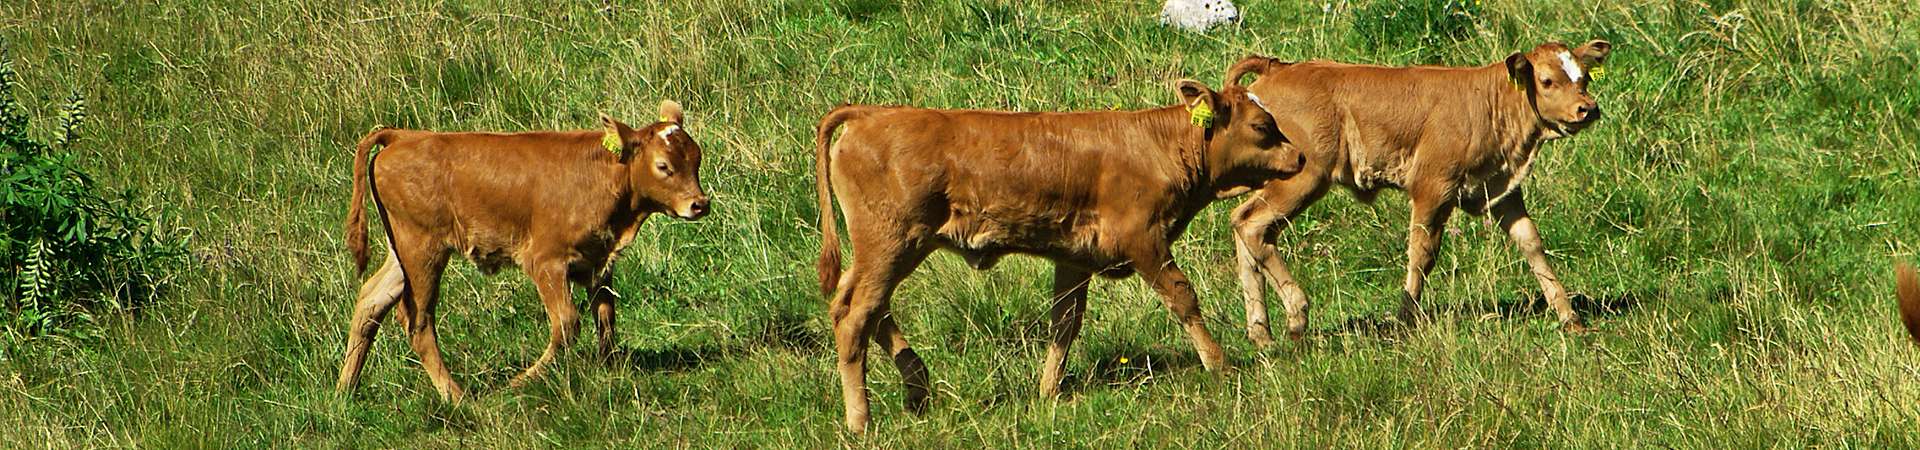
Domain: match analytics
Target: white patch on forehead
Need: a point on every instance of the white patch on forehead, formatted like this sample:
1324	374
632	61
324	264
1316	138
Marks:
668	131
1257	102
1572	68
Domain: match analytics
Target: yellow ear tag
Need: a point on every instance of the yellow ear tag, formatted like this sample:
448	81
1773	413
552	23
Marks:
611	140
1201	114
1598	70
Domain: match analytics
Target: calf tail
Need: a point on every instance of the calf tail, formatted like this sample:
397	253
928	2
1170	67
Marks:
357	211
829	265
1252	64
1909	293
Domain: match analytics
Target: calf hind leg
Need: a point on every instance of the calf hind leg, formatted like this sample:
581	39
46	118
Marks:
423	267
377	297
860	310
913	370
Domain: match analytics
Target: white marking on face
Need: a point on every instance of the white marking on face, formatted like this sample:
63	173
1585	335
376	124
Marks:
1572	68
1257	102
668	131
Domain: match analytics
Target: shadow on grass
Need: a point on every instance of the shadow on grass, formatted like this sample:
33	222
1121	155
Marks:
1129	366
1536	305
781	331
1511	308
442	416
668	360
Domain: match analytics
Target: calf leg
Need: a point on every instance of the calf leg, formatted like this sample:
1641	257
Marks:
563	319
1158	269
377	296
603	310
879	264
1257	223
1430	213
1069	307
913	371
1512	213
423	267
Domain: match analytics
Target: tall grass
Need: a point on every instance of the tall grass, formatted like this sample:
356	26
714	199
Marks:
1731	222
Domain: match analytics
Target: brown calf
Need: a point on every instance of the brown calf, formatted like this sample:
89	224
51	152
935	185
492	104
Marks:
1095	192
561	205
1450	136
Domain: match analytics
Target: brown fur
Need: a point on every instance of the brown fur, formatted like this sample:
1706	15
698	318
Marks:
1908	291
558	204
1095	192
1449	136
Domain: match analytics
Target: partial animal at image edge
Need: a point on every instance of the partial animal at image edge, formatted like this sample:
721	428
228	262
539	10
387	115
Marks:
1907	287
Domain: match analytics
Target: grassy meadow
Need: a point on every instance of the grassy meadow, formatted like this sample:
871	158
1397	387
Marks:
1732	224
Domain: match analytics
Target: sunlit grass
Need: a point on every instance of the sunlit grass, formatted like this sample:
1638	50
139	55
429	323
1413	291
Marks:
1734	219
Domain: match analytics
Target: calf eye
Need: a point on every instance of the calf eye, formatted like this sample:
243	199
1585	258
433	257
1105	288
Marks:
662	167
1546	82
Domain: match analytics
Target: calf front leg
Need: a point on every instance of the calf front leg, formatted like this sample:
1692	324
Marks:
563	319
1256	224
603	312
1069	310
1430	213
1158	269
1512	213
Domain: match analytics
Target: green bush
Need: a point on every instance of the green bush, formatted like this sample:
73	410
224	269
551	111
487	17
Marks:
68	250
1428	26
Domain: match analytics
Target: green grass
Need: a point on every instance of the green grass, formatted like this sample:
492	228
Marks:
1734	218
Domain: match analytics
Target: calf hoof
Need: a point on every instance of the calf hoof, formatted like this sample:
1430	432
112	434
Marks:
1260	336
1410	318
917	399
1297	334
1215	363
1575	327
454	395
857	424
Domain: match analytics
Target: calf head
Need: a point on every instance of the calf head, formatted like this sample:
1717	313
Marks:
1244	145
1555	79
663	164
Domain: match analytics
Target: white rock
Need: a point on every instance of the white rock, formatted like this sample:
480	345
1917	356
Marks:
1198	15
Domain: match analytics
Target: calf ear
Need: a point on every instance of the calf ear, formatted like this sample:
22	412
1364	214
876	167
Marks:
1593	53
1192	91
1520	69
614	135
670	111
1194	95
